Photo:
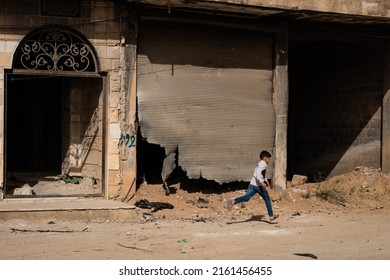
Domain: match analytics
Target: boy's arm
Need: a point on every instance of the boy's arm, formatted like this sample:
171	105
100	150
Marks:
259	174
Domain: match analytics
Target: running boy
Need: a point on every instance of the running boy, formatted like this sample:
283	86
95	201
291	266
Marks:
258	184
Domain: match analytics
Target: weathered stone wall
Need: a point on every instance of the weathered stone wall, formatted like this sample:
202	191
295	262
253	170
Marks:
100	24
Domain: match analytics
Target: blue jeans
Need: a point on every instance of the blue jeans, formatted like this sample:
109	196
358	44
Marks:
251	191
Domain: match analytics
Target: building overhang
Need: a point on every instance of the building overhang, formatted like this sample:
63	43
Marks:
260	9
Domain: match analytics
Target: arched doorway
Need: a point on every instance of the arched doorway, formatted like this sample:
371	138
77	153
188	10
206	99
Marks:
54	105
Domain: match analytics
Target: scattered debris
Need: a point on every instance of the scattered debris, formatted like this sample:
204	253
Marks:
199	219
333	195
133	247
47	230
375	207
143	238
318	176
155	206
143	203
303	192
72	179
183	240
148	217
309	255
26	189
201	202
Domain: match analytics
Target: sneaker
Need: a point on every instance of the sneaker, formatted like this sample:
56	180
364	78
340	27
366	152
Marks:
229	205
274	217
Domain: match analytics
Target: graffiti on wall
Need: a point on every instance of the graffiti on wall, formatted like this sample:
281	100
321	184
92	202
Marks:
127	140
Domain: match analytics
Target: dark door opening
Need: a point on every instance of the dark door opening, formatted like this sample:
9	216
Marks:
53	136
335	102
34	117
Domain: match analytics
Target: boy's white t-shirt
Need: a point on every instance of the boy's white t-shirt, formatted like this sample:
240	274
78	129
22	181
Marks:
259	174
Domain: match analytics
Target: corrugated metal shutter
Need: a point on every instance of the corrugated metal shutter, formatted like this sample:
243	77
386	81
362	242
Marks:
209	92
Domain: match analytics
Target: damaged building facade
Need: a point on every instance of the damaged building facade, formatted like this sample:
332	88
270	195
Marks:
104	91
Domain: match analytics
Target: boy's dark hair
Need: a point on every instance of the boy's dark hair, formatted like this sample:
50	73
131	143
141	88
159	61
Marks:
264	154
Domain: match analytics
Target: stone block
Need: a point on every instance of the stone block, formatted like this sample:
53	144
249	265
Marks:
100	35
26	189
101	51
116	64
373	9
2	46
87	181
92	171
113	162
13	20
111	12
113	146
113	52
298	180
13	37
113	191
6	60
115	83
99	13
97	144
113	115
94	157
87	30
114	99
2	20
114	131
114	178
99	42
100	27
105	64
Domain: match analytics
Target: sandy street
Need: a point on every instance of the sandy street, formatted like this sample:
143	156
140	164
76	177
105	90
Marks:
354	224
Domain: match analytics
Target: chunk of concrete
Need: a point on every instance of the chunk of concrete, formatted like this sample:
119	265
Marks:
24	190
298	180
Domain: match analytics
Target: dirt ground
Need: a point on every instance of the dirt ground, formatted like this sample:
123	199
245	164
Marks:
346	217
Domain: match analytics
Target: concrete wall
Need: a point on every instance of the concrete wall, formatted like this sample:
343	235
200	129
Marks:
82	136
356	7
99	22
375	8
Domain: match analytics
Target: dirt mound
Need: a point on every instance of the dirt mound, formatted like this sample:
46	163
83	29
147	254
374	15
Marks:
362	187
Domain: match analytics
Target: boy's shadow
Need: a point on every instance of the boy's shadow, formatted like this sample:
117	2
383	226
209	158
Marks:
254	218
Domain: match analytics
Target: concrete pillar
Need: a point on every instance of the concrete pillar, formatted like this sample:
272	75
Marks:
281	112
128	116
386	112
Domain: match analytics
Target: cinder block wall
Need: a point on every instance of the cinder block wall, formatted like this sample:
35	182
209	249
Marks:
100	23
335	107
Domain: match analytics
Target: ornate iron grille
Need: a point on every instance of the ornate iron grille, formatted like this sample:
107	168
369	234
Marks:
55	49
